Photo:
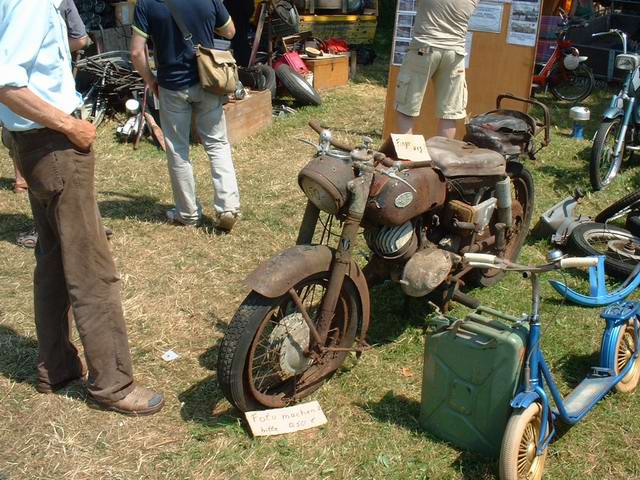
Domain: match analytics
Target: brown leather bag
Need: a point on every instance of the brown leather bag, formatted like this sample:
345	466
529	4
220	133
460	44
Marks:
217	69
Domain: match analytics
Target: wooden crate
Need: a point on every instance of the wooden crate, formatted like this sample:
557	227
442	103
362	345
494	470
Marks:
329	71
248	116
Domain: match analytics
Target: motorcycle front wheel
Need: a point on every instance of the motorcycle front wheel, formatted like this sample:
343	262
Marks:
264	359
521	211
571	85
604	166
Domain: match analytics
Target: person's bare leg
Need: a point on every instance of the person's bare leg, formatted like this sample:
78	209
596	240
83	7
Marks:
446	128
404	123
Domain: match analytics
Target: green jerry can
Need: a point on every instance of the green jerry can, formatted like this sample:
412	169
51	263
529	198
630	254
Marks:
471	372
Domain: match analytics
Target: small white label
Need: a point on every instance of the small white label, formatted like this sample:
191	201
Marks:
169	356
278	421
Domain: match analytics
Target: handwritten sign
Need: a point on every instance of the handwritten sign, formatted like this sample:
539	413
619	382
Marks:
410	147
278	421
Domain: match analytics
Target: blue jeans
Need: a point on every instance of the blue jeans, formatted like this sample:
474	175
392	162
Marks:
176	108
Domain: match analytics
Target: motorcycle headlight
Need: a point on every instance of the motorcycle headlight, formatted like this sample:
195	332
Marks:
627	61
324	181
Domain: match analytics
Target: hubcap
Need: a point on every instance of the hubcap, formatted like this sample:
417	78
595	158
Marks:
291	339
625	248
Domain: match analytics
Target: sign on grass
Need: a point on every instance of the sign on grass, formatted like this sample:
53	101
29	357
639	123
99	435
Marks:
286	420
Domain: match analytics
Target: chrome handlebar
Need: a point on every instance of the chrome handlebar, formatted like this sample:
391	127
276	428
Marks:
614	31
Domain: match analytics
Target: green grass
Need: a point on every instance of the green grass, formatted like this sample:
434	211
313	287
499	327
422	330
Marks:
181	287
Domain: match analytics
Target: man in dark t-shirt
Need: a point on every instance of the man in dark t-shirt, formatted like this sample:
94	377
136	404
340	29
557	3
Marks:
177	84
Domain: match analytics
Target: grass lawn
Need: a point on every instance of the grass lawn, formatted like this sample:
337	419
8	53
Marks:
181	286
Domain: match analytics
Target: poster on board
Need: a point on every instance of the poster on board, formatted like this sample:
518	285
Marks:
487	18
523	23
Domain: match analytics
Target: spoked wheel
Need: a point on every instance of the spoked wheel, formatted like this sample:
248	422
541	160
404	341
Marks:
625	348
518	459
604	165
265	360
94	108
521	211
571	85
619	246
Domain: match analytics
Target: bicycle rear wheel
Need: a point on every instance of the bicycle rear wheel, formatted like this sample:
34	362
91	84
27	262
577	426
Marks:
571	85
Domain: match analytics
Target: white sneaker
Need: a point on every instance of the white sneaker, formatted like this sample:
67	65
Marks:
226	220
174	217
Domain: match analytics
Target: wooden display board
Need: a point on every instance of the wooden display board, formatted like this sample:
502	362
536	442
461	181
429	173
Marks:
495	67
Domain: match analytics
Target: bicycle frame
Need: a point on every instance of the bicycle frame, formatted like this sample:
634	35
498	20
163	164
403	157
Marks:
537	375
561	44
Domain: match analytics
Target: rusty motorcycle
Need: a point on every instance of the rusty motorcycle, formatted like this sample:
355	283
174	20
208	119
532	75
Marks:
309	305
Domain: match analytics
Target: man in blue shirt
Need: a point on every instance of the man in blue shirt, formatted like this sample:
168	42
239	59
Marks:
74	267
178	87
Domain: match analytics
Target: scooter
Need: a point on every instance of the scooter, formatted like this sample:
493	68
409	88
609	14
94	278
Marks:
619	132
532	425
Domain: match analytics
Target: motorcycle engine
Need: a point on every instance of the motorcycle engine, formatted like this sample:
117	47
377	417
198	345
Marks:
392	243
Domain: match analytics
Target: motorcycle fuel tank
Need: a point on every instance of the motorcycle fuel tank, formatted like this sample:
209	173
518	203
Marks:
394	201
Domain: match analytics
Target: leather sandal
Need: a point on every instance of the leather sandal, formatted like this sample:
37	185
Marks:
141	401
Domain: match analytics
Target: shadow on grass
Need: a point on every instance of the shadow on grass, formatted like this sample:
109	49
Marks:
19	360
392	312
404	412
12	224
201	402
143	208
6	183
564	176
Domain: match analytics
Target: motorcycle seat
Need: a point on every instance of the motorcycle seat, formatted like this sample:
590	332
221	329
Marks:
455	158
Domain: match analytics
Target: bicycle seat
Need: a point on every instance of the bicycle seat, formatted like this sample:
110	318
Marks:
455	158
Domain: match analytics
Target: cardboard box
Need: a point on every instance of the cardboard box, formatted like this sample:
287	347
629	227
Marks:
124	13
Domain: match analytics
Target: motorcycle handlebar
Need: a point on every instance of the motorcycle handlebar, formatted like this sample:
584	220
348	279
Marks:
483	260
339	145
578	262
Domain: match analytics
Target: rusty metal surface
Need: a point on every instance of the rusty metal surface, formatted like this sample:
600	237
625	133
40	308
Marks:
280	273
327	175
396	203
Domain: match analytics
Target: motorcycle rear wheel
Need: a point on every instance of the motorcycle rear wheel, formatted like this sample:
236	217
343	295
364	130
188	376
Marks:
571	85
522	211
261	362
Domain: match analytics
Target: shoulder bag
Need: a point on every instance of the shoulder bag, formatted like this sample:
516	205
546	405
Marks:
217	69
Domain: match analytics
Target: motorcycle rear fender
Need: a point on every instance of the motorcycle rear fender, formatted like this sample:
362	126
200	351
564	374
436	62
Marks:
280	273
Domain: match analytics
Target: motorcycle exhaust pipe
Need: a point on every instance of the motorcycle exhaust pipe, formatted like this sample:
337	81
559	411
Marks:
503	194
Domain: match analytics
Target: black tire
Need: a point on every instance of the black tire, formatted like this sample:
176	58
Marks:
298	86
633	224
246	338
592	239
259	77
578	83
94	108
524	197
602	167
625	204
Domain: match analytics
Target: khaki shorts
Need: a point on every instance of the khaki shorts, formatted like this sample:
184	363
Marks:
446	68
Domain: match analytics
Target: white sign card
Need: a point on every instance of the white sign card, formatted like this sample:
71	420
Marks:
523	23
278	421
487	18
410	147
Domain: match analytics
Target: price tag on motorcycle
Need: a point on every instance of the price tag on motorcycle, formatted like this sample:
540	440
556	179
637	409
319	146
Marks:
278	421
410	147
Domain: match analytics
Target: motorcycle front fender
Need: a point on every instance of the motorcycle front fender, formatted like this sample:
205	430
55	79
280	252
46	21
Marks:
612	113
280	273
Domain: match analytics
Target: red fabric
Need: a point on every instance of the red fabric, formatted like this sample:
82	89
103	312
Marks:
335	45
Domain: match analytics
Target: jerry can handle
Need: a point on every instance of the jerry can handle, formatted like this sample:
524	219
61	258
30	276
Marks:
455	329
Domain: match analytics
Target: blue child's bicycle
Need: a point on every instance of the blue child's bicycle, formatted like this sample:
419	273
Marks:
532	424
